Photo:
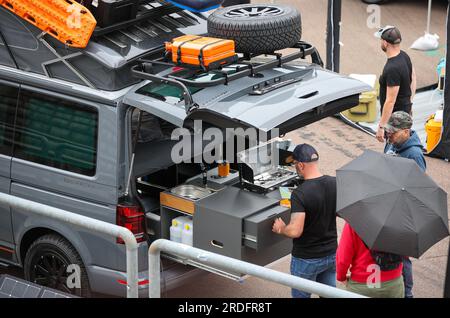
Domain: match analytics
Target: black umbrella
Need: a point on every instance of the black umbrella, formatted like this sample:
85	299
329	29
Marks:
392	204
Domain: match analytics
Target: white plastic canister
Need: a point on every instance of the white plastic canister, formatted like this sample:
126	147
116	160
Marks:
175	231
187	235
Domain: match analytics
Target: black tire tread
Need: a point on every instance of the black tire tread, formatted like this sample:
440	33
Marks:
62	244
260	35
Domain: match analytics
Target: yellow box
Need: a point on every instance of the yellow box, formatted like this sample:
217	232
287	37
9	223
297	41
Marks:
366	111
434	132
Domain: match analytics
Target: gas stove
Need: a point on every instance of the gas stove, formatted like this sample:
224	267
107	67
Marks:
273	178
262	169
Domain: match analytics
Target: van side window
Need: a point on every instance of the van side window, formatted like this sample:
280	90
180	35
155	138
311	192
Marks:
56	133
8	103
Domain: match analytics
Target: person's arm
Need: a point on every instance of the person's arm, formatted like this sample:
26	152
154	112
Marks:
413	84
391	97
295	227
344	254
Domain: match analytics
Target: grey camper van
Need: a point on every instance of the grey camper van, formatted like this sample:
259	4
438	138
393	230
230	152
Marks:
67	132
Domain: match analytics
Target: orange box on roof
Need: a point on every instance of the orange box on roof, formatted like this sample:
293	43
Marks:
201	51
66	20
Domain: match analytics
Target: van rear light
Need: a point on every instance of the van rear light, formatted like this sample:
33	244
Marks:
140	283
132	218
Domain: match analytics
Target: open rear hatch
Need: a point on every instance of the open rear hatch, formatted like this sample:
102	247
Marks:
233	216
287	97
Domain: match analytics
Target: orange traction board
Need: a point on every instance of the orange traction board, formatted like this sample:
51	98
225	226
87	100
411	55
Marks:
66	20
202	51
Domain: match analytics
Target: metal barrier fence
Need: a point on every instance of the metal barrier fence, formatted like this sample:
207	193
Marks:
231	264
93	225
173	248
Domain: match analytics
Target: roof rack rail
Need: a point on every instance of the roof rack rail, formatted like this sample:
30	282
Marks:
144	70
143	15
67	21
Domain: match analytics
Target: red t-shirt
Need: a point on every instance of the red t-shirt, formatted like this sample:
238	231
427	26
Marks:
353	254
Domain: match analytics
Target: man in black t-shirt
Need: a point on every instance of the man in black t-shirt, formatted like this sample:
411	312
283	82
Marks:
398	81
313	222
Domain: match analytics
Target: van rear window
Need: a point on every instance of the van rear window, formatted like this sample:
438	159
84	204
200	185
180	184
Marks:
8	102
56	133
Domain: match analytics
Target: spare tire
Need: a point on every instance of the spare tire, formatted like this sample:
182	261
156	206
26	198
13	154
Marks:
257	28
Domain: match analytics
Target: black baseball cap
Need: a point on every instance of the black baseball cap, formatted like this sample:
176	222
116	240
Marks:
303	153
390	34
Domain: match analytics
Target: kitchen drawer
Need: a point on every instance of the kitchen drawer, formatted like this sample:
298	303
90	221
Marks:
258	228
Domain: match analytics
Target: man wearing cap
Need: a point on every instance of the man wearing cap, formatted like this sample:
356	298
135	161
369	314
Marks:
398	80
313	222
404	142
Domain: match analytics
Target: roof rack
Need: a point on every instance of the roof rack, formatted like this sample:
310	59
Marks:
144	69
148	11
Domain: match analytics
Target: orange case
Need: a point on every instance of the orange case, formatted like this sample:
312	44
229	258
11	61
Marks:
66	20
201	51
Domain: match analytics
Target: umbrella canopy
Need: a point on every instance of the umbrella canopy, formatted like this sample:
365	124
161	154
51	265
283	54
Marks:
392	204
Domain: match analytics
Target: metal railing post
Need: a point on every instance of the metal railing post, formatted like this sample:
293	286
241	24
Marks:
94	225
154	275
231	264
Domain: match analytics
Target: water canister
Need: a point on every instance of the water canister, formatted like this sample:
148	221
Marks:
182	221
187	234
175	231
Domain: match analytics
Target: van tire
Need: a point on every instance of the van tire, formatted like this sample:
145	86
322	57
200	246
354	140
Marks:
258	34
50	250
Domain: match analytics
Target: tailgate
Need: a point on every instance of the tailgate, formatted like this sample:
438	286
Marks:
286	98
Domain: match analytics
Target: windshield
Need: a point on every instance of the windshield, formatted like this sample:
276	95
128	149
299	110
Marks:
173	94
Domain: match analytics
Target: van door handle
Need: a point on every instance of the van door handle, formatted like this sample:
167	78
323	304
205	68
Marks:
217	244
309	95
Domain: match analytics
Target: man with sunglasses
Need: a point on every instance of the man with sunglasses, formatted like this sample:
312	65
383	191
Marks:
398	80
404	142
313	222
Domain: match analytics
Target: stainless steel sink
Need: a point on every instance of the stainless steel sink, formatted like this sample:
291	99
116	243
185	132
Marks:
191	192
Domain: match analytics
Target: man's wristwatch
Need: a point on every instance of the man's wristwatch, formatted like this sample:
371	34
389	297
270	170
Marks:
382	127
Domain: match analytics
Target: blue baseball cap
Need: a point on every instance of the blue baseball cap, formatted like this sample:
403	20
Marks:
303	153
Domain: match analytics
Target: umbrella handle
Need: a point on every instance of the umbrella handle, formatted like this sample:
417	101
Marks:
429	16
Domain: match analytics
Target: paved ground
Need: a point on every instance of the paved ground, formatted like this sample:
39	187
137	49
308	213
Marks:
337	144
360	52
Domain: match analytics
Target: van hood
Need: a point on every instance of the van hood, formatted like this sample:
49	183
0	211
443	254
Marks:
286	98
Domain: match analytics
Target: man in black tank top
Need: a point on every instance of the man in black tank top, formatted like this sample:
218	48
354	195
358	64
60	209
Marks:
398	80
